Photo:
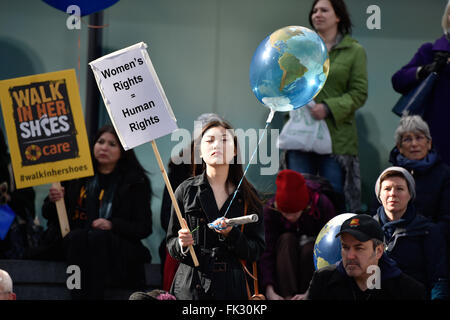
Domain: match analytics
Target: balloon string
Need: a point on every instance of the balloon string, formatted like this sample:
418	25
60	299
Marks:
269	120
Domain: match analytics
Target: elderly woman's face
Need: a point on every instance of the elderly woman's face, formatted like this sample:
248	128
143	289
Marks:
414	145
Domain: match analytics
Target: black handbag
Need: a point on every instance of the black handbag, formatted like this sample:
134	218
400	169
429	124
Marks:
415	101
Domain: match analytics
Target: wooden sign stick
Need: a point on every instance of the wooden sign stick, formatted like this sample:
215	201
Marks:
172	196
62	213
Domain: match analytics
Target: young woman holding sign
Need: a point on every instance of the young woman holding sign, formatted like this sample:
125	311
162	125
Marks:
109	215
203	199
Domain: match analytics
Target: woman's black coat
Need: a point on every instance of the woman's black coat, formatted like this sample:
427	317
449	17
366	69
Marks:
131	219
198	207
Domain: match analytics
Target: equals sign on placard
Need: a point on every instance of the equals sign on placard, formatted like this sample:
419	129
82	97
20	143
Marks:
133	95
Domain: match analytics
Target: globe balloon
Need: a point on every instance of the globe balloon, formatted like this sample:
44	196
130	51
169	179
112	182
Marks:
289	68
327	248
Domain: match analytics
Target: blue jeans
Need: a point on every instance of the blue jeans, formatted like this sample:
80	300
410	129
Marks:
321	165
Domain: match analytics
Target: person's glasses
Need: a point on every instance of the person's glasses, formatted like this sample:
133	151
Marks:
409	139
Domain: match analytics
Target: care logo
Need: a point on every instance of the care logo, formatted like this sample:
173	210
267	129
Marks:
33	152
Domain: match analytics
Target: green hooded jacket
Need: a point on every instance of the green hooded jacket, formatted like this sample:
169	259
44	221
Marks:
345	91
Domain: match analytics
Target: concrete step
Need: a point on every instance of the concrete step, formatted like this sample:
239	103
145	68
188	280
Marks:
46	280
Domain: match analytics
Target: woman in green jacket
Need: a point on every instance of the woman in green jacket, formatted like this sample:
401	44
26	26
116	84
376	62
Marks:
344	92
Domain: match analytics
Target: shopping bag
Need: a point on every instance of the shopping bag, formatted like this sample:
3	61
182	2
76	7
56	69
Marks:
303	132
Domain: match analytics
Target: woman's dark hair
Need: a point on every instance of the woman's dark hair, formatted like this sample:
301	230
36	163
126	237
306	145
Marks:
340	9
235	172
128	160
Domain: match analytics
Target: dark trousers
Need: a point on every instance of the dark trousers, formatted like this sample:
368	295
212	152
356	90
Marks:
294	265
90	250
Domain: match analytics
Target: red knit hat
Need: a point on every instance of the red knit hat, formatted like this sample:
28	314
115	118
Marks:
292	194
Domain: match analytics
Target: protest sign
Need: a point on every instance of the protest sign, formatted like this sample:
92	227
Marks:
137	105
45	128
46	132
133	96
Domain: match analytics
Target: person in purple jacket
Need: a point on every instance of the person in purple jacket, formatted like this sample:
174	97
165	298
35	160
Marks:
292	221
432	57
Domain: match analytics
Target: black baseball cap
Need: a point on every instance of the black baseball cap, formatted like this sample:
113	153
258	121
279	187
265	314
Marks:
363	227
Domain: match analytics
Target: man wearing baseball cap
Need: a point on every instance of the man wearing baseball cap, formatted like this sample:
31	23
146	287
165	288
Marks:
365	272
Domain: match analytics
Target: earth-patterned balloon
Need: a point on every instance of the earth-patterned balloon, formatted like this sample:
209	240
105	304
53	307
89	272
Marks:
289	68
327	248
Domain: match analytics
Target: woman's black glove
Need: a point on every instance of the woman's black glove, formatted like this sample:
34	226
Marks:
439	62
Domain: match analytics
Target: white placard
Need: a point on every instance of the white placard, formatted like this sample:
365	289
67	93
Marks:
133	96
